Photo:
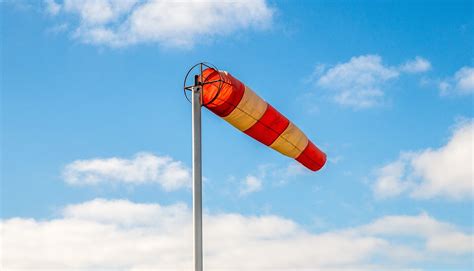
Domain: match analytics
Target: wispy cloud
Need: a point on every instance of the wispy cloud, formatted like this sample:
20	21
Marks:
58	28
416	65
462	83
52	7
360	82
169	23
275	175
250	184
123	235
444	172
142	168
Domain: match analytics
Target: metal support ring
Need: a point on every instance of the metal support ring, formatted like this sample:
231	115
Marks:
199	79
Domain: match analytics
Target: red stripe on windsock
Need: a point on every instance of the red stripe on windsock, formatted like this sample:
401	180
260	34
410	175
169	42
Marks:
312	157
269	126
229	96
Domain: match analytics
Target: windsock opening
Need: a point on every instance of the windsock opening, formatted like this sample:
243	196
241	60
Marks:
221	97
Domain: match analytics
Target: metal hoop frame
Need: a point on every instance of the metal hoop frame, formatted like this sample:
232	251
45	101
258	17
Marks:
196	83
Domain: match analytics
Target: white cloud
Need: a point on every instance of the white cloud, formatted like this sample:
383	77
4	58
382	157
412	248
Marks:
465	79
462	83
388	183
416	65
122	235
170	23
250	184
142	168
360	82
444	172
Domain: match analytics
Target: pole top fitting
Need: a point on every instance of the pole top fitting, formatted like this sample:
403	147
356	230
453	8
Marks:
200	80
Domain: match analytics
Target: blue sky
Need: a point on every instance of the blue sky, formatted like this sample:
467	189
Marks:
96	130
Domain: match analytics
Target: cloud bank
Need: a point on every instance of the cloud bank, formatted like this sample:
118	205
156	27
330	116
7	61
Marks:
169	23
123	235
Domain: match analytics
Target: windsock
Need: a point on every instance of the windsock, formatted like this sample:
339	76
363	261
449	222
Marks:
244	109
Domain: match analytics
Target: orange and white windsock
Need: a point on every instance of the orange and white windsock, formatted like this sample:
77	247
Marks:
240	106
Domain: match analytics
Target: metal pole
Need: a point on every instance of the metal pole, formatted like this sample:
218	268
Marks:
197	176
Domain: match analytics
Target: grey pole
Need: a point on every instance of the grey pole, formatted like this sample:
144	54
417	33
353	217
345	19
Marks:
197	177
